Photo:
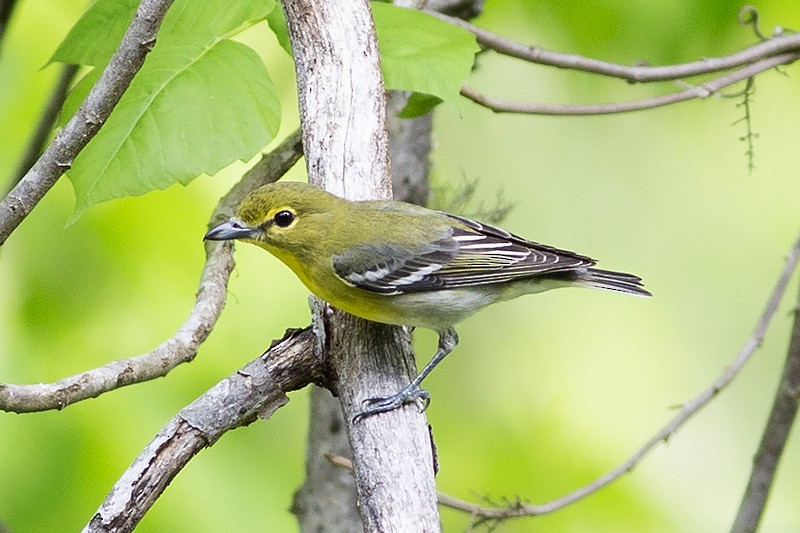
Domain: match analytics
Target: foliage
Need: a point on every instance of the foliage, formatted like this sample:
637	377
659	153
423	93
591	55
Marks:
198	82
182	99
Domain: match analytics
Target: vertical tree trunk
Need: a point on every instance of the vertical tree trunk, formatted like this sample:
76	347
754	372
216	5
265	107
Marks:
343	117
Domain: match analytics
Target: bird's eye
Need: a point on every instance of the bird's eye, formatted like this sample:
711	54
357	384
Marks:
283	218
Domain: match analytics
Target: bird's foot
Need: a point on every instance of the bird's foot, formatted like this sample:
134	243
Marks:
382	404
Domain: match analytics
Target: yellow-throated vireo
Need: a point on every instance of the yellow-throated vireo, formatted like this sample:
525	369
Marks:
402	264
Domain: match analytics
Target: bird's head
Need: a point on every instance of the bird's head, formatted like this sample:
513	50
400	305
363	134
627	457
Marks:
283	216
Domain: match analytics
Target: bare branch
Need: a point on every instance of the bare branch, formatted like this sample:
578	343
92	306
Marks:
704	90
181	347
178	349
778	45
256	390
769	53
688	410
749	136
773	441
84	125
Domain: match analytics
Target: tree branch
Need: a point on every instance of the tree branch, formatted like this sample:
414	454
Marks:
777	45
773	441
688	410
181	347
704	90
778	50
138	40
256	390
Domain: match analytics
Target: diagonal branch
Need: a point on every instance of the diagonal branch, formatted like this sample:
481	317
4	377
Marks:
688	410
256	390
776	434
137	42
181	347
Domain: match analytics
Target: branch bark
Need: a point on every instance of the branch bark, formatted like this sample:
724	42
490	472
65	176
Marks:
256	390
342	110
137	42
773	441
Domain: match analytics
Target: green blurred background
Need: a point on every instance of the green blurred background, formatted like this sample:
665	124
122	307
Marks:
544	393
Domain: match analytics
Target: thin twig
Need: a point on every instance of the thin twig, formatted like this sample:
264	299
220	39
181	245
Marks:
138	40
789	42
181	347
46	121
485	513
773	441
748	16
703	90
256	390
688	410
749	136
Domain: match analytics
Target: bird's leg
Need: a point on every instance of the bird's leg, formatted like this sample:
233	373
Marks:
412	392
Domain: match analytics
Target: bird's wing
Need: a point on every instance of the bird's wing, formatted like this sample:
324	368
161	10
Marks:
469	254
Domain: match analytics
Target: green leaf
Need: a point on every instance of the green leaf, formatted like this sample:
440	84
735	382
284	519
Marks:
98	32
423	54
199	102
277	23
419	104
93	39
195	109
221	18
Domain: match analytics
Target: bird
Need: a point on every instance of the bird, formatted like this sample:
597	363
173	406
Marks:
403	264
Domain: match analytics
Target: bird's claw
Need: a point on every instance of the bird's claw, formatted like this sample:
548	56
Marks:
384	404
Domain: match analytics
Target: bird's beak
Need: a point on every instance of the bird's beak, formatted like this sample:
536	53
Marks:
232	229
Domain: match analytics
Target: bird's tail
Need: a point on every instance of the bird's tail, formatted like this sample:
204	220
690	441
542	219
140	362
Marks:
612	281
